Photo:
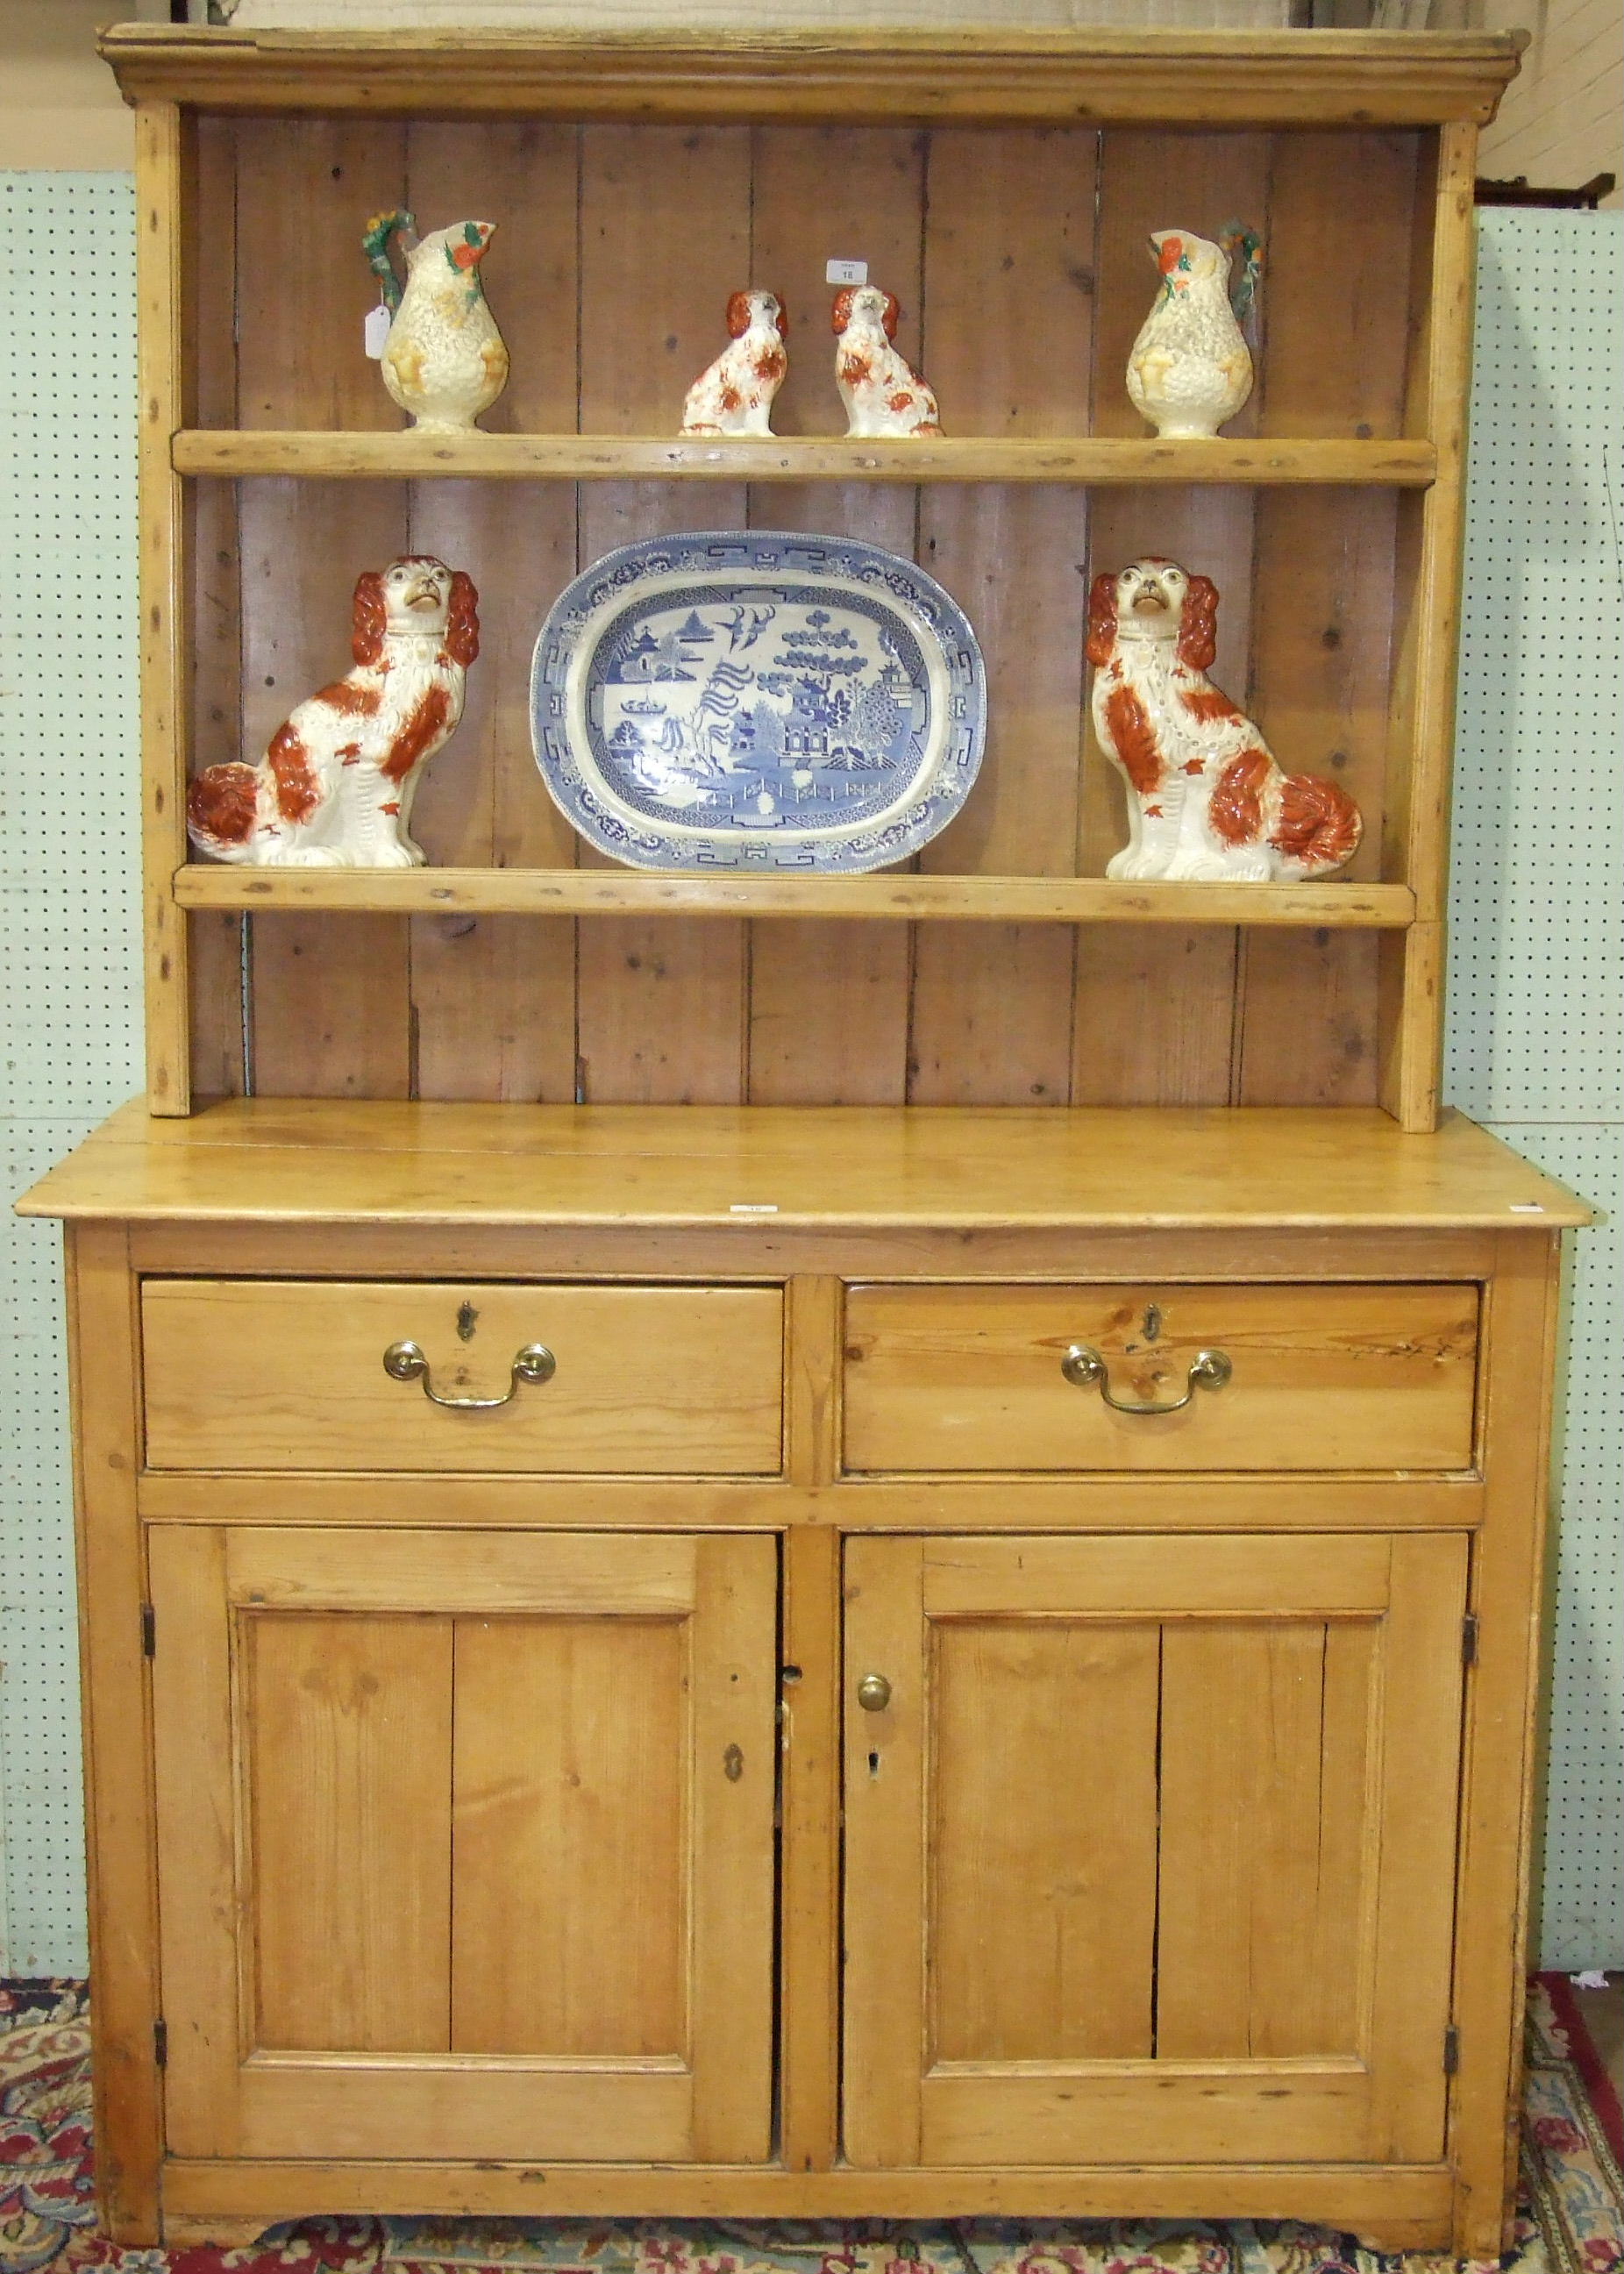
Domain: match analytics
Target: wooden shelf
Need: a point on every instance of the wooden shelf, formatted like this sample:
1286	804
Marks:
1096	459
880	76
963	900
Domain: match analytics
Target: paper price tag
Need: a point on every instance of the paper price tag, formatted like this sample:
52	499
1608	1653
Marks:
846	272
375	335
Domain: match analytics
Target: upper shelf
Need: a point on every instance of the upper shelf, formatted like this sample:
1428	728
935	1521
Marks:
1099	459
898	896
986	76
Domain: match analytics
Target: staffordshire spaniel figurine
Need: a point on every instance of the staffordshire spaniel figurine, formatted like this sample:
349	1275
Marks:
734	395
882	391
335	786
1207	802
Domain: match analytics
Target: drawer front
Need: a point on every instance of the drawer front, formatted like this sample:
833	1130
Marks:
1319	1377
290	1374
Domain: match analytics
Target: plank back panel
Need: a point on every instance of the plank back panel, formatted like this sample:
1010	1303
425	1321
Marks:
477	984
571	1932
1019	255
349	1726
829	1002
1045	1760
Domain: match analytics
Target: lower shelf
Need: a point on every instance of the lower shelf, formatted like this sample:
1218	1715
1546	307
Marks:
734	892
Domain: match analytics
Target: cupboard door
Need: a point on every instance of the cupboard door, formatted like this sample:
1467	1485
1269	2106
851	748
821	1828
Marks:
1179	1817
465	1844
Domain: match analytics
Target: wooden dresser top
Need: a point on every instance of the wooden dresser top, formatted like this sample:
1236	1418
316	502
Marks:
302	1161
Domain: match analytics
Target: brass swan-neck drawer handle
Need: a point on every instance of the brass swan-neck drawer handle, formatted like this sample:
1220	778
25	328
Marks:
406	1362
1209	1369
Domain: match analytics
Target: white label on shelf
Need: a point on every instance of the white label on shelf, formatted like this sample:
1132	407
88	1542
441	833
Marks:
751	1208
375	337
1527	1207
846	272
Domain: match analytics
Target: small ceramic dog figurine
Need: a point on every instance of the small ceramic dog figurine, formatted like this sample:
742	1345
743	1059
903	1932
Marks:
882	391
1207	803
334	788
735	394
1190	369
445	361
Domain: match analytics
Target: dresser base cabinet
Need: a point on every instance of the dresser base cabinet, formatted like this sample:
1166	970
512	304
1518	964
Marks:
904	1777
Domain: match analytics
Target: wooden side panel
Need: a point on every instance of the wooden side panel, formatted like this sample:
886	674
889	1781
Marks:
331	999
1042	1815
104	1360
160	171
196	1839
1009	232
346	1730
664	239
1265	1819
213	566
570	1929
493	998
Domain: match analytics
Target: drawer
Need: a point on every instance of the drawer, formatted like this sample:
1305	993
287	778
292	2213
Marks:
1321	1377
290	1374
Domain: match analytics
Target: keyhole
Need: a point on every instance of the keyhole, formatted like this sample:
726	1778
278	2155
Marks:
873	1764
466	1317
1153	1322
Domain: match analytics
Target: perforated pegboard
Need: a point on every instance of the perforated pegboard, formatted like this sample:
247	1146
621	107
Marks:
1535	911
1535	1026
70	971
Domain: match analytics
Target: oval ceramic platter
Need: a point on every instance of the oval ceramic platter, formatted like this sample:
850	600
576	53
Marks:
757	700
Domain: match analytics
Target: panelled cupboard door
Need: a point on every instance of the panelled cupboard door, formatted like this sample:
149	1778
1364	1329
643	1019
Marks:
465	1844
1179	1815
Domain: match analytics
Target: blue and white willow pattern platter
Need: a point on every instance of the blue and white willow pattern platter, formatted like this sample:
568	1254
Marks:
757	700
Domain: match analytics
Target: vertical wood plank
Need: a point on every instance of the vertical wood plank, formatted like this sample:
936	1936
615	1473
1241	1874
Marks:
195	1845
159	183
1245	1808
347	1724
1430	541
1043	1826
1498	1782
569	1927
885	1856
1010	229
493	998
1306	1013
103	1370
664	239
734	1783
829	1003
809	1984
214	937
1155	1005
1419	1789
331	997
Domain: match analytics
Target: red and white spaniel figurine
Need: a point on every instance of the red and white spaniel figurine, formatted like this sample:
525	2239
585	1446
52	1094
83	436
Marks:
1206	801
335	787
735	394
882	391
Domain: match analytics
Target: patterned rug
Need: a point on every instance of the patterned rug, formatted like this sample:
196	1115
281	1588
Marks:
1571	2221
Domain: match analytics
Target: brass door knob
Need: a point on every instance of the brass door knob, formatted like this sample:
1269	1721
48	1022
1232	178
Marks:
873	1693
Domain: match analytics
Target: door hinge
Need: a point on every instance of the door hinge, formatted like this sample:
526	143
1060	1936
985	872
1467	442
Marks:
160	2044
1451	2051
149	1632
1468	1639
